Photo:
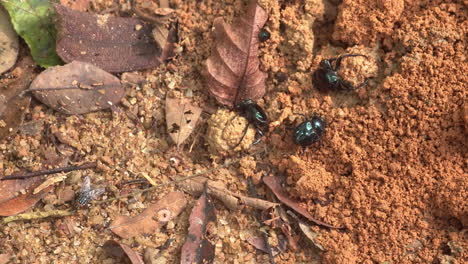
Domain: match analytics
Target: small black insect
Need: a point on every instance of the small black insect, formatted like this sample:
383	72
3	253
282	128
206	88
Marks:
309	131
326	77
87	193
264	35
255	116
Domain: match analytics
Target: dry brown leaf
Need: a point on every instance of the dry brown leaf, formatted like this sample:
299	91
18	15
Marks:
181	118
307	230
113	44
8	42
13	103
21	202
77	88
17	196
152	218
51	180
232	70
122	252
231	200
260	244
199	245
274	183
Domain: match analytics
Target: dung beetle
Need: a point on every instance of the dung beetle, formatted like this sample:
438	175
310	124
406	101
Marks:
255	116
264	35
326	77
309	131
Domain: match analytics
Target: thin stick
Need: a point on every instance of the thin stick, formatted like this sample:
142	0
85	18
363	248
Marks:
21	175
37	215
227	164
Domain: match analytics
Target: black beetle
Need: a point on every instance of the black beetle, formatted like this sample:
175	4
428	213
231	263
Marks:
309	131
326	77
264	35
255	116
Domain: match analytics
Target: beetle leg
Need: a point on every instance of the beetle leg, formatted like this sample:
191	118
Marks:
345	85
362	84
340	58
258	136
243	135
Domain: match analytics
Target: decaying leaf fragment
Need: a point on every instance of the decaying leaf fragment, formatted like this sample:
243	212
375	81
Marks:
231	200
152	218
274	183
77	88
114	44
8	42
260	243
232	70
199	246
13	103
16	196
181	118
122	252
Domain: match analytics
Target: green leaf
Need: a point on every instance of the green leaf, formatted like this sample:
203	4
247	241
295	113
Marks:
33	20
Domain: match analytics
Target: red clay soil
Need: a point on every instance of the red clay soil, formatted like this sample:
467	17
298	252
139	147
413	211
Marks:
397	157
392	167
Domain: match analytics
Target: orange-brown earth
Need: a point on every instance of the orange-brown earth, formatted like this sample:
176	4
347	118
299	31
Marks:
392	165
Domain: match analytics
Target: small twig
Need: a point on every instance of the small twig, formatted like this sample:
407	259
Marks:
37	215
140	191
163	185
21	175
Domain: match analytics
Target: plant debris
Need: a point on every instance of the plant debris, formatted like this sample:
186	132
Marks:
260	243
307	230
8	42
199	245
232	201
26	175
113	44
19	203
152	218
37	215
33	21
233	72
181	118
77	88
13	103
274	183
122	251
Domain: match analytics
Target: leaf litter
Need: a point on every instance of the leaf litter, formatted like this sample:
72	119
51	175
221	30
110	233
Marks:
33	20
233	70
122	251
152	218
8	42
199	244
274	183
13	103
181	118
77	88
231	200
114	44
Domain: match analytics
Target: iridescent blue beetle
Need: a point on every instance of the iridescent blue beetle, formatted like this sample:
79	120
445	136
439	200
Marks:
309	131
255	116
326	77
